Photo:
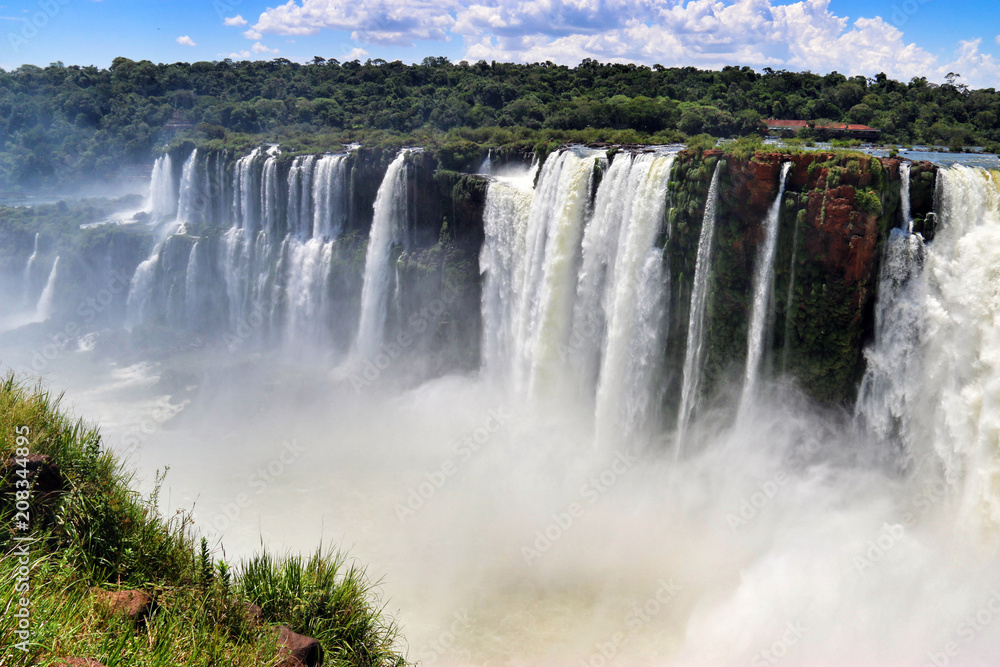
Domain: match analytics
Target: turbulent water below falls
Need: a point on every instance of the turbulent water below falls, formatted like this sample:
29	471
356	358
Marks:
532	512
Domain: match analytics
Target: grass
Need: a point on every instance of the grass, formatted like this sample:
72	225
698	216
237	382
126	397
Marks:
99	533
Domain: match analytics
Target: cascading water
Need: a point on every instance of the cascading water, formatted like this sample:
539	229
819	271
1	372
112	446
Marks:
892	372
599	249
904	197
46	301
956	409
390	207
28	280
544	314
189	199
501	260
635	302
691	382
162	189
763	286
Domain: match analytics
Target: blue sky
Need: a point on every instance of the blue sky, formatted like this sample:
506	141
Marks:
904	38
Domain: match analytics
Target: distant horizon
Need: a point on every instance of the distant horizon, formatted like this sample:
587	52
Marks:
902	38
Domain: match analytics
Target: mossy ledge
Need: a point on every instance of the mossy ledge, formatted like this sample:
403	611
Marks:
836	214
92	535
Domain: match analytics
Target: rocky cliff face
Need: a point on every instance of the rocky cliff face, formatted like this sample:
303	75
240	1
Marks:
835	215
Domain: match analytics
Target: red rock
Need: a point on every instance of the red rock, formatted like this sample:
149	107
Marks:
295	650
135	605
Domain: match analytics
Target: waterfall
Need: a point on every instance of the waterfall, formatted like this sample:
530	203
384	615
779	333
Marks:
140	293
246	192
46	302
959	405
501	261
635	300
189	201
904	197
300	195
270	198
601	241
195	300
544	314
162	191
763	285
28	282
390	205
893	359
329	195
696	320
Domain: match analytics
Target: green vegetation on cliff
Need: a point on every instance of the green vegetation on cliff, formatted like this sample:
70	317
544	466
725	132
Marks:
59	123
92	535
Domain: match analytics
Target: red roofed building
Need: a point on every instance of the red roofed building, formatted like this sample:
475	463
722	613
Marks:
792	127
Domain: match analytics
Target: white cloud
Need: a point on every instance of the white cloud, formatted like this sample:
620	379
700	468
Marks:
997	39
355	54
235	20
704	33
239	55
184	40
260	48
373	21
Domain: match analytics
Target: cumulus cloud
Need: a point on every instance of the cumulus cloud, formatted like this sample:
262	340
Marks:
804	35
184	40
235	20
260	48
355	54
399	22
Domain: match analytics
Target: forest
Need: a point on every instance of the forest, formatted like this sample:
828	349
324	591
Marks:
60	124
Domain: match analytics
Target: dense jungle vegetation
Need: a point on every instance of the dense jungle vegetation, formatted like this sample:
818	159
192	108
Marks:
59	123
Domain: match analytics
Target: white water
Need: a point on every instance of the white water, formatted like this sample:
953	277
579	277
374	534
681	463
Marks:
543	317
691	382
189	201
386	231
45	308
162	189
763	295
904	197
892	375
27	280
957	410
705	561
501	261
635	301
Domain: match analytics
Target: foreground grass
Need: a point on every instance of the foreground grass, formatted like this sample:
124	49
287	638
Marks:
96	533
